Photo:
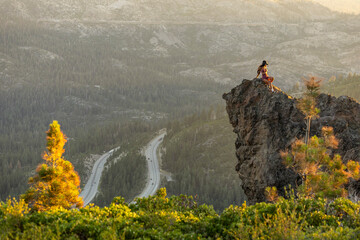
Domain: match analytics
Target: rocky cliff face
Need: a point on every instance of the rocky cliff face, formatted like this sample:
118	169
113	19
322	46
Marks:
266	123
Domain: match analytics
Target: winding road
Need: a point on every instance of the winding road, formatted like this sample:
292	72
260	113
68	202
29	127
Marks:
153	179
91	187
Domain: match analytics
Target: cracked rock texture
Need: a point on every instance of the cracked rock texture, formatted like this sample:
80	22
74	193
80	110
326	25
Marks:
266	123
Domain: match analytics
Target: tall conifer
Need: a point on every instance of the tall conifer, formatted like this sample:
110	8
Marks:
307	104
56	183
323	175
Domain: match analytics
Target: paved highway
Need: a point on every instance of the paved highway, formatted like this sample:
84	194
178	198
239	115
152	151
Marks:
91	187
153	179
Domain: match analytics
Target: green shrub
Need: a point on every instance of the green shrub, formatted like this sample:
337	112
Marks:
180	217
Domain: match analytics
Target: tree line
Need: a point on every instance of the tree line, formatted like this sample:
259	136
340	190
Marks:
91	83
199	153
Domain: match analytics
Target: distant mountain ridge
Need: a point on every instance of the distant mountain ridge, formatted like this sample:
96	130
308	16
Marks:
165	10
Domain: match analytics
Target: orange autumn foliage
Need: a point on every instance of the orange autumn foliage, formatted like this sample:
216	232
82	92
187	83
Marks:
56	183
322	175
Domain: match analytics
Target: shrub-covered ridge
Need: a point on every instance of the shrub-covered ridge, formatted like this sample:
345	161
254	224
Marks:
180	217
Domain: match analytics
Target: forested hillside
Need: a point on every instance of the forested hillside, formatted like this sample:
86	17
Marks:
348	86
102	66
126	170
199	153
97	94
82	142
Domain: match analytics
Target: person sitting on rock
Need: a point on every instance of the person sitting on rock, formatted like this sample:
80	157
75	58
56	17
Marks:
265	77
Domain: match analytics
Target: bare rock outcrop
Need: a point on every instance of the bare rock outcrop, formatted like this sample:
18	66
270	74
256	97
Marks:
266	123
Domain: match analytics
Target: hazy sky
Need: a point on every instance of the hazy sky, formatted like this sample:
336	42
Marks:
352	6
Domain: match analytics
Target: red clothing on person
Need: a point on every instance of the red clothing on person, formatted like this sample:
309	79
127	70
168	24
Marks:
265	75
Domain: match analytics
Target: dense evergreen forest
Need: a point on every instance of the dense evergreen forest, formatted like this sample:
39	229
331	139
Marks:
348	86
199	151
125	177
199	154
103	85
93	87
126	171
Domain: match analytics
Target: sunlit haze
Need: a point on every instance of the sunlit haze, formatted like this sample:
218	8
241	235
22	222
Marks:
175	94
348	6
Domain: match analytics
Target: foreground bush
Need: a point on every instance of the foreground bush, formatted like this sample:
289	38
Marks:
180	217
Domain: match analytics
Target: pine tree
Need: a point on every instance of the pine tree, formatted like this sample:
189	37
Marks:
56	183
322	175
307	104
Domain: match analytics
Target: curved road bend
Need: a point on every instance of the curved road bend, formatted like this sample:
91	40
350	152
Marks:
90	189
153	179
